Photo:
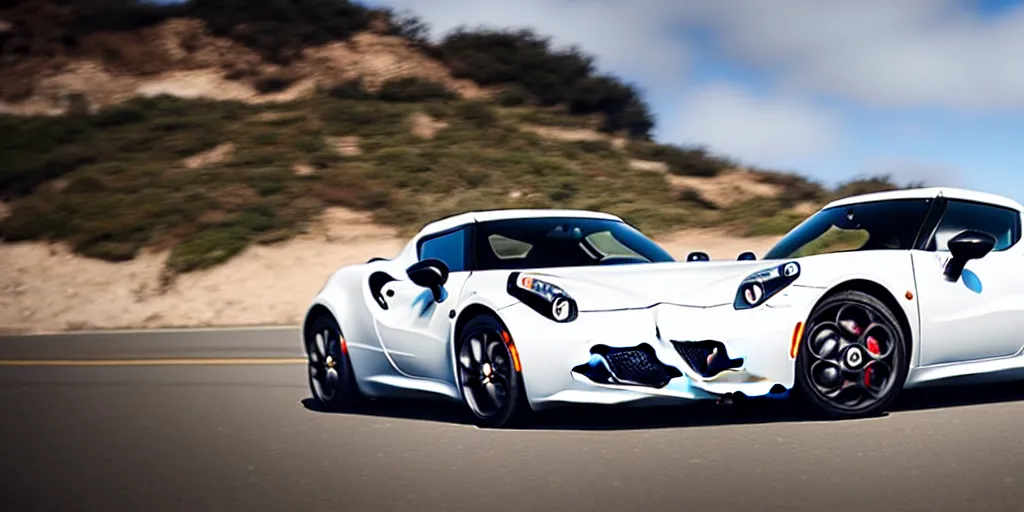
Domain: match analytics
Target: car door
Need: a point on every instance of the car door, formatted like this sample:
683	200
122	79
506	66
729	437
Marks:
415	329
981	314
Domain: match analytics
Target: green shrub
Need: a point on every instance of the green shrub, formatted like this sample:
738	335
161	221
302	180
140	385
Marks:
413	89
110	250
594	146
208	248
279	30
350	90
795	188
476	113
686	161
527	61
29	220
120	115
778	224
513	96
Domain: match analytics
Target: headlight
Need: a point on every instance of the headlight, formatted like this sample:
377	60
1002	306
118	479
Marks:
545	298
758	288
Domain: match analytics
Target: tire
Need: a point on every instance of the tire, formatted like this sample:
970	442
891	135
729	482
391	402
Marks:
331	379
491	387
853	359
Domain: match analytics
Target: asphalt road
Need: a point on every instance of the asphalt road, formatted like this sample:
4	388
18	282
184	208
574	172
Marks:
129	435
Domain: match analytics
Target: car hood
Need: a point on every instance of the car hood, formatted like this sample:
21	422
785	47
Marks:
698	284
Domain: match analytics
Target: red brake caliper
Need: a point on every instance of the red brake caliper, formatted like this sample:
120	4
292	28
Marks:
873	348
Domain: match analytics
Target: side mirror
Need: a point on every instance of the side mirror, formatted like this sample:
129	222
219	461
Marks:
431	274
747	256
698	256
966	246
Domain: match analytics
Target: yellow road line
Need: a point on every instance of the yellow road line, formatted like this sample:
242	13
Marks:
152	362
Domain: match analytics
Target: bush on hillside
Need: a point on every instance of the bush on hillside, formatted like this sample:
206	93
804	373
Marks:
551	76
276	29
795	188
279	30
411	27
412	89
350	90
685	161
476	113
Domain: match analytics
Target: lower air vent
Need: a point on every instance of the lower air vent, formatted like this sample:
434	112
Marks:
635	366
697	355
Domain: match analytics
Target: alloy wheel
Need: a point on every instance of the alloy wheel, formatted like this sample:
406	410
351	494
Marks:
853	356
486	373
325	360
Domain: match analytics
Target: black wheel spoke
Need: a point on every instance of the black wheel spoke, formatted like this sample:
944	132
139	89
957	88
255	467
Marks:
471	378
883	337
316	370
492	347
500	379
496	392
852	351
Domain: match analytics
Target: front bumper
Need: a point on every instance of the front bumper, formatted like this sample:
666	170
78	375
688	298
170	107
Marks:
653	356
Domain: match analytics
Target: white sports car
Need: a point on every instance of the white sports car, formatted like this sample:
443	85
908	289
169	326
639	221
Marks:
513	311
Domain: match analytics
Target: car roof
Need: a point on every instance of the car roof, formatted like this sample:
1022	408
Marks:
929	192
490	215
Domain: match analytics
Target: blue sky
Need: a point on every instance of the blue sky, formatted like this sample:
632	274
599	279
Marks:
924	90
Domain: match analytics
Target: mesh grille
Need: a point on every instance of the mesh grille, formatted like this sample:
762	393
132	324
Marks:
637	366
695	354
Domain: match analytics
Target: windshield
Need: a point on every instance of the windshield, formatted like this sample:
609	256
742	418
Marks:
861	227
562	242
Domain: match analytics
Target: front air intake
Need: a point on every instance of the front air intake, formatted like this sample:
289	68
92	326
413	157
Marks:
706	358
633	366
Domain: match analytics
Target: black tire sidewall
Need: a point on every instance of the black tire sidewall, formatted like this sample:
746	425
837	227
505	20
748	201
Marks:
515	407
821	406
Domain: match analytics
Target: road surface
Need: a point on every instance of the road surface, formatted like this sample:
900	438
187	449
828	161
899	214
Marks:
220	421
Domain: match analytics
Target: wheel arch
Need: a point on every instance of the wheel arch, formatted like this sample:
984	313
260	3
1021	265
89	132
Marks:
883	294
321	308
468	313
315	311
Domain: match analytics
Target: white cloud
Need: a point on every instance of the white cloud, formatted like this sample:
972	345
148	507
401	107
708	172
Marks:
905	53
755	129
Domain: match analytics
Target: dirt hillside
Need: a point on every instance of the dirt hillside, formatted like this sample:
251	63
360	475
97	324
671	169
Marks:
45	288
180	57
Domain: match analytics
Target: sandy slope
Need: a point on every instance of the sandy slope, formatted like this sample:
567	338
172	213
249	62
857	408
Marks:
45	288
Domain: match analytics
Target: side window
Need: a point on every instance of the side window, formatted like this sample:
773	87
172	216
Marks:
449	248
1002	223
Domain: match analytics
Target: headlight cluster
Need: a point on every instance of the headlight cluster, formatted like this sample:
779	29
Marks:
545	298
758	288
